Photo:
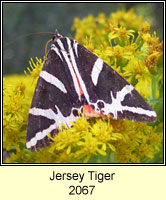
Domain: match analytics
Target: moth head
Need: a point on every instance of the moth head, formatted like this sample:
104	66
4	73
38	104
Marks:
56	36
54	39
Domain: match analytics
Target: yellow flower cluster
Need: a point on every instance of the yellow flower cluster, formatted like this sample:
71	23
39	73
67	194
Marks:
124	42
84	140
15	111
17	96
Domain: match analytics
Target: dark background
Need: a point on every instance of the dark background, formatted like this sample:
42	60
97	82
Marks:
24	18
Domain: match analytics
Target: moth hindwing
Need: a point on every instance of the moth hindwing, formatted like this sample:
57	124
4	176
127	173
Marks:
73	78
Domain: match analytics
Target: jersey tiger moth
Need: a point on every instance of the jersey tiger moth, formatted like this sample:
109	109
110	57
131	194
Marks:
73	78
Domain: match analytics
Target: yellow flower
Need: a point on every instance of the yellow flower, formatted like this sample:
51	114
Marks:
121	33
152	59
81	125
123	155
15	111
103	131
101	18
89	146
89	44
35	68
66	140
21	87
150	40
126	19
145	27
118	52
145	150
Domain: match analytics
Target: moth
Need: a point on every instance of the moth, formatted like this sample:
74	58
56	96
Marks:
74	79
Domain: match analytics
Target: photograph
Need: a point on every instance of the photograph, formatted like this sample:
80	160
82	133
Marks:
82	83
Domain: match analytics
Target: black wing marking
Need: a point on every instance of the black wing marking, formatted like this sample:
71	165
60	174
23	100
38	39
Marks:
108	92
54	102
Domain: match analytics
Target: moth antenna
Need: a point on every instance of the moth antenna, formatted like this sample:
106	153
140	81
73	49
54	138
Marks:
26	35
47	46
